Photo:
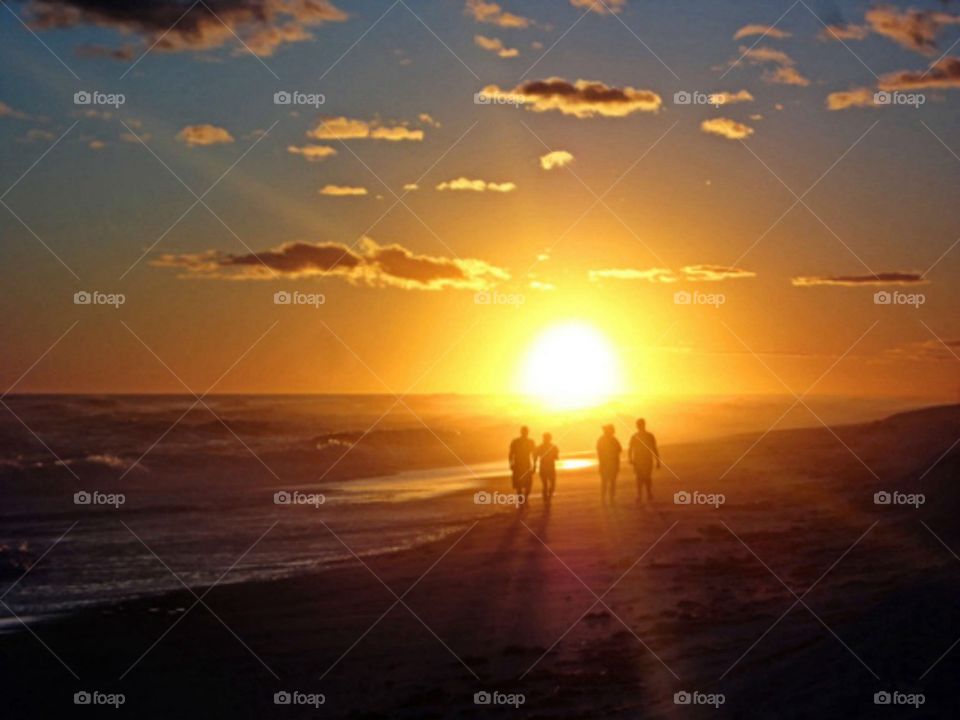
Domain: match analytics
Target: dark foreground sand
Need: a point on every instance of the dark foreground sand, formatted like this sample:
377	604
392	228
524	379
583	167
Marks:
589	612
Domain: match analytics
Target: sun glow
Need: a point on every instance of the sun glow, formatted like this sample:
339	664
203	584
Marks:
571	366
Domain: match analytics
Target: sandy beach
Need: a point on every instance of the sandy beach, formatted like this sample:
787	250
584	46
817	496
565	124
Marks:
796	595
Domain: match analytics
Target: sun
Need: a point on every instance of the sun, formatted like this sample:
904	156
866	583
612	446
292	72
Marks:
570	366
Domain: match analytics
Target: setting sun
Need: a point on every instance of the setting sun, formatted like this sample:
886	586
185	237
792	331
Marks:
570	366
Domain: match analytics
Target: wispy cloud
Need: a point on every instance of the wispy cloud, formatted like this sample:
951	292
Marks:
689	273
344	128
883	278
495	45
343	191
762	30
945	73
312	153
466	184
555	159
915	30
581	98
370	264
606	7
493	13
201	135
726	128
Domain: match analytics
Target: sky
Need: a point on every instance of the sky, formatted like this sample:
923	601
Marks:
742	197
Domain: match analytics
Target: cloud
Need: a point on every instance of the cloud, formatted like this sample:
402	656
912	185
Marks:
462	183
428	119
883	278
371	264
96	145
762	30
915	30
344	128
171	26
727	128
495	45
715	273
7	111
729	98
411	187
312	153
690	273
786	76
492	13
654	275
194	135
606	7
342	190
555	159
925	350
581	99
855	97
125	52
844	32
945	73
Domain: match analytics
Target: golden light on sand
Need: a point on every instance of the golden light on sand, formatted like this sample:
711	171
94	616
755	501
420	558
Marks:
569	366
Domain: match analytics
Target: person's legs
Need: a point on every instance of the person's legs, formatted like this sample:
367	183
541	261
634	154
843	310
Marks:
649	485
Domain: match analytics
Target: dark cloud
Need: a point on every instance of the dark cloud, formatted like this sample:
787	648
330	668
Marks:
581	98
369	264
944	73
915	30
883	278
176	25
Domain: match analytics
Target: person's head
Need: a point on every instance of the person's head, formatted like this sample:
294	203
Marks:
608	430
524	431
547	438
641	424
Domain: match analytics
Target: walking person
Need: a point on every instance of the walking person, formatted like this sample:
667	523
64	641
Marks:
642	453
521	458
608	457
547	454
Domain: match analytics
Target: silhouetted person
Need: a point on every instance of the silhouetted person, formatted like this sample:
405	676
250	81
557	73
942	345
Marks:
642	453
608	456
547	453
522	463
